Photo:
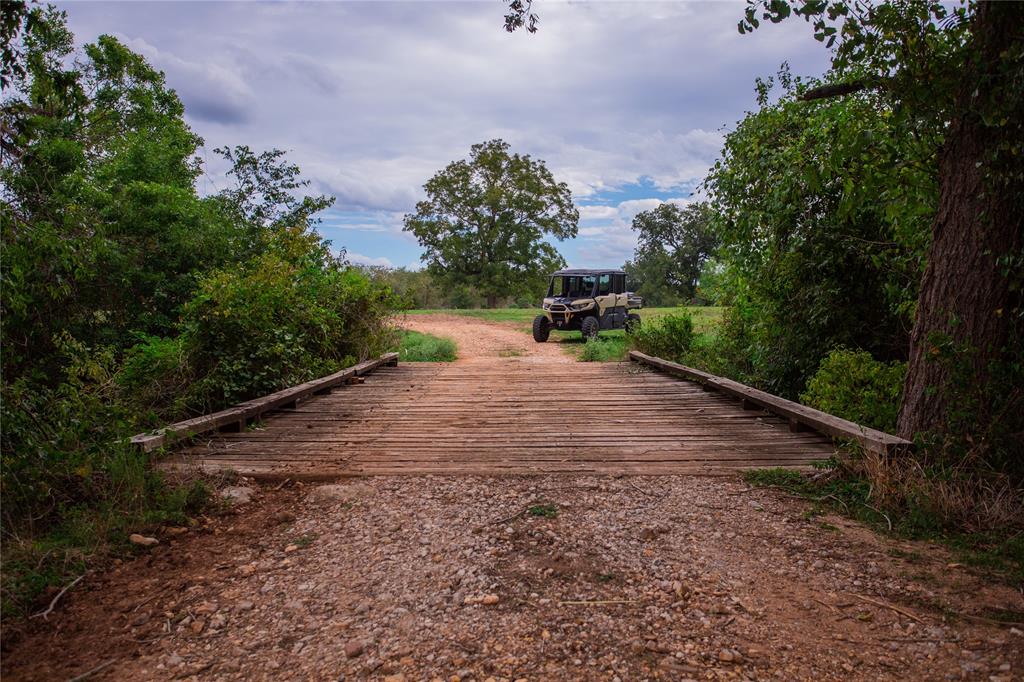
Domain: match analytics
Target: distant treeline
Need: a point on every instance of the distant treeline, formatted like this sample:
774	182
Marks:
420	290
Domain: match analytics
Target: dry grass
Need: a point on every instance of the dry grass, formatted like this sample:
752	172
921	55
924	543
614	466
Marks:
957	497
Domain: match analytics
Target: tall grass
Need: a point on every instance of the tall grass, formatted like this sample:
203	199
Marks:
123	494
973	516
418	347
611	349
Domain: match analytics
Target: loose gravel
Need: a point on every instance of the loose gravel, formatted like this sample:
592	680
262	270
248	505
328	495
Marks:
527	578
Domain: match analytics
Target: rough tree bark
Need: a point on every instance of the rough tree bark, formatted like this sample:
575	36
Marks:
963	293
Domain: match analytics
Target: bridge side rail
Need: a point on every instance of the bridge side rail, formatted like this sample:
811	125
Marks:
236	418
798	415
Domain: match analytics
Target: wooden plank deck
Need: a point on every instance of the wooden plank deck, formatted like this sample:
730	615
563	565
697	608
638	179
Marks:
798	415
511	416
237	418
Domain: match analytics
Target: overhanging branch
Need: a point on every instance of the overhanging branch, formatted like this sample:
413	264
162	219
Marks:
835	90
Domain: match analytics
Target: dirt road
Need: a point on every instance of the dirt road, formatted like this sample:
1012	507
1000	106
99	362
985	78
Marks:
524	578
484	342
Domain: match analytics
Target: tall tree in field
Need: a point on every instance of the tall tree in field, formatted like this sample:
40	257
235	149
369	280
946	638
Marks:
673	244
485	218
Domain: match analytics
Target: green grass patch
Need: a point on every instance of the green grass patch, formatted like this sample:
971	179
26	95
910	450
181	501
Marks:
601	349
998	553
547	511
417	347
305	540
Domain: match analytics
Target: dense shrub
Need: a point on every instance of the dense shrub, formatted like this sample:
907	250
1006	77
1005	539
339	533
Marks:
129	300
853	385
282	319
726	350
824	210
669	338
603	349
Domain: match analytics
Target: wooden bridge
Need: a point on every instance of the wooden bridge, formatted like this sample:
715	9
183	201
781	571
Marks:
514	416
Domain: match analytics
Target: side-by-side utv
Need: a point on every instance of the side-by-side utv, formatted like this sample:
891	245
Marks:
588	301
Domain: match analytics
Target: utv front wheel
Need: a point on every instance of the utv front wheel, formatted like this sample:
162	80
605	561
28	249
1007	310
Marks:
590	327
541	329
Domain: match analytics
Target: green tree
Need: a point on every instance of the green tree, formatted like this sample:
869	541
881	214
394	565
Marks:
823	210
484	221
264	193
964	71
129	300
673	244
101	225
16	18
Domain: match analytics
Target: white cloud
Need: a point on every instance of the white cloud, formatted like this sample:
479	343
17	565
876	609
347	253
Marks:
607	233
363	221
598	212
370	99
360	259
212	91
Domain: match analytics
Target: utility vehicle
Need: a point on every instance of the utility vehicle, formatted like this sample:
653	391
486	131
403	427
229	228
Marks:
587	300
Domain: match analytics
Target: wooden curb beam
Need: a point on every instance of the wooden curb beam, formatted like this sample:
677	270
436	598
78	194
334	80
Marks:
236	418
799	416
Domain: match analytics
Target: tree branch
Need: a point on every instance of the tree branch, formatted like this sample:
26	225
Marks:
56	599
835	90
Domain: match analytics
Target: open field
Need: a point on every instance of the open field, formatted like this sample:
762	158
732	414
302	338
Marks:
612	343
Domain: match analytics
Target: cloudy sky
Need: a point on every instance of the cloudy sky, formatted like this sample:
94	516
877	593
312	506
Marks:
627	102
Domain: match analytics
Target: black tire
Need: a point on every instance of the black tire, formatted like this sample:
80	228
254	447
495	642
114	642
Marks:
632	323
590	327
541	329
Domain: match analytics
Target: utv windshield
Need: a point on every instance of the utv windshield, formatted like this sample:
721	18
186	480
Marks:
572	286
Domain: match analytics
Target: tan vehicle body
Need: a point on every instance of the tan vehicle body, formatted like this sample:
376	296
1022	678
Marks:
576	295
603	303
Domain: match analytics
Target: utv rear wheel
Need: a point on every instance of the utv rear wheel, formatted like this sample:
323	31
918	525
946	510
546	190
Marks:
541	329
589	327
632	323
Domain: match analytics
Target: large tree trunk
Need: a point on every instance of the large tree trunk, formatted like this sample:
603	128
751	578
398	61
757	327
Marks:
964	294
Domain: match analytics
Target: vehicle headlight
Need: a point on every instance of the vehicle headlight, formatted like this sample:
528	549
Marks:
581	306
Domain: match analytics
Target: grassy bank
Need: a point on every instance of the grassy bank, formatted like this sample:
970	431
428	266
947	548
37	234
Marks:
418	347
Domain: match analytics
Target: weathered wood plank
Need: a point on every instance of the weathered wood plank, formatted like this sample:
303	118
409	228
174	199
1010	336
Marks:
508	419
871	439
253	408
